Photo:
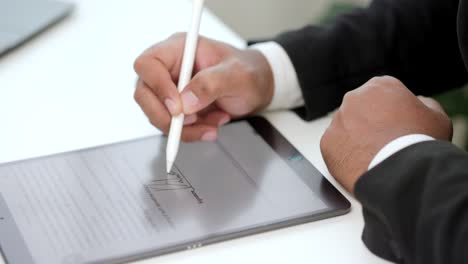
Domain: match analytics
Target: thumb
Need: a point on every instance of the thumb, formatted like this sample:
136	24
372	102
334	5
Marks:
205	87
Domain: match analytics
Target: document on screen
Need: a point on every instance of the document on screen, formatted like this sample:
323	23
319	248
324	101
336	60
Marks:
114	202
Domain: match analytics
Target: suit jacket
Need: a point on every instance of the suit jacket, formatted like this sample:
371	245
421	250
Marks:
415	203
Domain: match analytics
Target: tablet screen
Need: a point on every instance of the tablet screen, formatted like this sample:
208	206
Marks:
116	203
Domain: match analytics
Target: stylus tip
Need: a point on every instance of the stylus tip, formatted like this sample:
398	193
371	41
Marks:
169	166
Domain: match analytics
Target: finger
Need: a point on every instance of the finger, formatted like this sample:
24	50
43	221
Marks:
205	87
431	103
169	53
190	120
156	76
152	107
215	119
199	132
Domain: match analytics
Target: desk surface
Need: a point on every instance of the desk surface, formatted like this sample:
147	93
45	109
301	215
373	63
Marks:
72	87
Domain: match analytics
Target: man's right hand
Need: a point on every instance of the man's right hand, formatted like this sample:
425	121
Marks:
227	83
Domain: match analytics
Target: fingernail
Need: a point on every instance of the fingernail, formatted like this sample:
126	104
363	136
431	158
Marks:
189	100
190	119
170	105
224	121
209	136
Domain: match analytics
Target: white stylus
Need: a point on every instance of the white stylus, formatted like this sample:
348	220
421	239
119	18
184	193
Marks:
177	122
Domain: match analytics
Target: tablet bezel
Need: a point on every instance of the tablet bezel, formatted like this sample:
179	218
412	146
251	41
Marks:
303	168
336	204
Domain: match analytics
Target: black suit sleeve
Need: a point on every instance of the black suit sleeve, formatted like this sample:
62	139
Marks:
415	205
412	40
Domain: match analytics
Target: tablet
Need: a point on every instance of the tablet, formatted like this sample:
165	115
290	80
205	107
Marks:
115	203
22	20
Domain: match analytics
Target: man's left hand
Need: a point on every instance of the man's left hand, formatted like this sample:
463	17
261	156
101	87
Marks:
381	110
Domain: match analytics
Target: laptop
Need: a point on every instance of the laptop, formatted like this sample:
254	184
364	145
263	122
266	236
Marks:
21	20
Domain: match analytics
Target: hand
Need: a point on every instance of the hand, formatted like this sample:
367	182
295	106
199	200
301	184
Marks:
227	83
371	116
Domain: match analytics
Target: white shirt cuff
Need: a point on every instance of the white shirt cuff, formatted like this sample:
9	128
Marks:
287	92
397	145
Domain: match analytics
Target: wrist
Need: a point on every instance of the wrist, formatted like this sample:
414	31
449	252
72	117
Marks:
287	93
262	77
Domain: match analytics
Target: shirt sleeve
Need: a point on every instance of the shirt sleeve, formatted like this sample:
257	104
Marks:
397	145
287	92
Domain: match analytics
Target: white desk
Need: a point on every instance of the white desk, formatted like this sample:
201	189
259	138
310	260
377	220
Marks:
72	87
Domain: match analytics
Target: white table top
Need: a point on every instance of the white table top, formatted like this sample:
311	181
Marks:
72	87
